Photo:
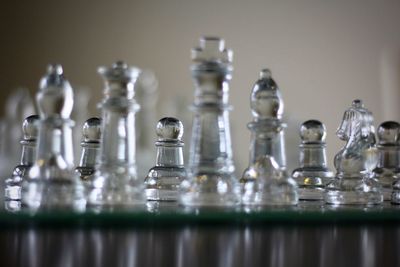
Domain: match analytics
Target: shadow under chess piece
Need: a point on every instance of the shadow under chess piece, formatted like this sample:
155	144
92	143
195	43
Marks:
163	180
13	184
271	187
115	182
52	182
353	183
90	144
211	180
387	172
313	173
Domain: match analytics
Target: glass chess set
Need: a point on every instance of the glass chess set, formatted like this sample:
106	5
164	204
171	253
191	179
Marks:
46	181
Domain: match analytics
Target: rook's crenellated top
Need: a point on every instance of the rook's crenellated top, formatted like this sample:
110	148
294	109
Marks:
212	49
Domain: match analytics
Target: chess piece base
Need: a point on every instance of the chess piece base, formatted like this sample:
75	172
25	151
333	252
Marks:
311	193
312	182
280	192
387	178
12	189
353	191
387	193
210	190
395	195
12	205
162	183
53	193
115	190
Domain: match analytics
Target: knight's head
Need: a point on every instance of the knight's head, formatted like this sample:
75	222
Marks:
357	122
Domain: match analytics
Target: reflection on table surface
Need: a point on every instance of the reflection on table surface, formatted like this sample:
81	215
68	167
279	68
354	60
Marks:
302	242
203	246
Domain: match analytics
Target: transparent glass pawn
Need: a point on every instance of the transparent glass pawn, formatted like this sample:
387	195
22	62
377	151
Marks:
17	106
271	187
211	180
90	144
267	128
313	173
387	172
354	163
52	182
163	180
13	184
115	182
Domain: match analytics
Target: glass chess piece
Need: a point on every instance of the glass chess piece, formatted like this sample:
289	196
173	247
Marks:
211	180
272	186
28	143
18	105
313	173
353	183
115	182
387	171
267	129
51	182
395	197
163	180
90	144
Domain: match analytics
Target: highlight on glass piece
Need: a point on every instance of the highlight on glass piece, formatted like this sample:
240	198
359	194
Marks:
52	183
354	163
163	180
115	182
211	180
313	173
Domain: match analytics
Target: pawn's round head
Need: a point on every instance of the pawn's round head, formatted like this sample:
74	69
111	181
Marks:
91	130
30	127
312	131
388	132
169	128
265	100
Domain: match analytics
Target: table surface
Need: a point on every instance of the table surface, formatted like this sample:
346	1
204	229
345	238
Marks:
170	213
165	234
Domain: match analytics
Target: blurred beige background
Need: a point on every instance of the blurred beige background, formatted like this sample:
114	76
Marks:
323	54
